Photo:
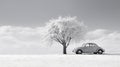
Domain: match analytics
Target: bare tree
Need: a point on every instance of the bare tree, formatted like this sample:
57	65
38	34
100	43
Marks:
63	30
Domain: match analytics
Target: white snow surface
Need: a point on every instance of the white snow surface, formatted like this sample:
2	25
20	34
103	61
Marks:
59	61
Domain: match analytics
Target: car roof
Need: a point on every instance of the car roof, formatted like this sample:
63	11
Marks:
89	44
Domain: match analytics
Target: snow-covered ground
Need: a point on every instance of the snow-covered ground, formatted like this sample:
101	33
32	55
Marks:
59	61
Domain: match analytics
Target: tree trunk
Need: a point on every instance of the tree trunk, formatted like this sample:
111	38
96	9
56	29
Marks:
64	50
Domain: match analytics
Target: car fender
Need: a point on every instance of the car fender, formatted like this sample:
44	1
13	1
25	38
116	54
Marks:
99	49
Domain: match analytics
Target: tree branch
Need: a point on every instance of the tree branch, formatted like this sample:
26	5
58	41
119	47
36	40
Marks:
56	39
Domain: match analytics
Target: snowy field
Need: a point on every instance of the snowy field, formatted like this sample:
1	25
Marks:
59	61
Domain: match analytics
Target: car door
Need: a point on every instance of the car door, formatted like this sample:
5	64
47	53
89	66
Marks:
86	48
92	48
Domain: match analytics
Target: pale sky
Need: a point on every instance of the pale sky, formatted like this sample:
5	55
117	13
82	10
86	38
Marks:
94	13
21	22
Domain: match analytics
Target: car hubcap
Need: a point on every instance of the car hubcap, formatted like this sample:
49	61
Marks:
79	52
100	51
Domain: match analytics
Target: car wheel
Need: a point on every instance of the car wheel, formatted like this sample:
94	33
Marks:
79	51
95	52
100	51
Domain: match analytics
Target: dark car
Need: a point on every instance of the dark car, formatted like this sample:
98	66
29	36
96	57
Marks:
89	48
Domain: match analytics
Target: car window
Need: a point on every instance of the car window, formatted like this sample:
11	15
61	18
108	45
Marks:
87	45
92	45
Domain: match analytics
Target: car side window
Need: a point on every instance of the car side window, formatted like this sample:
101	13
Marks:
87	45
92	45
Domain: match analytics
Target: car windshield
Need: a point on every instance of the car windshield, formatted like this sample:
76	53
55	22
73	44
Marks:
85	45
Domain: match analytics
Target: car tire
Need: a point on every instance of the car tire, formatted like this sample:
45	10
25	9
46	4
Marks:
95	52
79	51
100	51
